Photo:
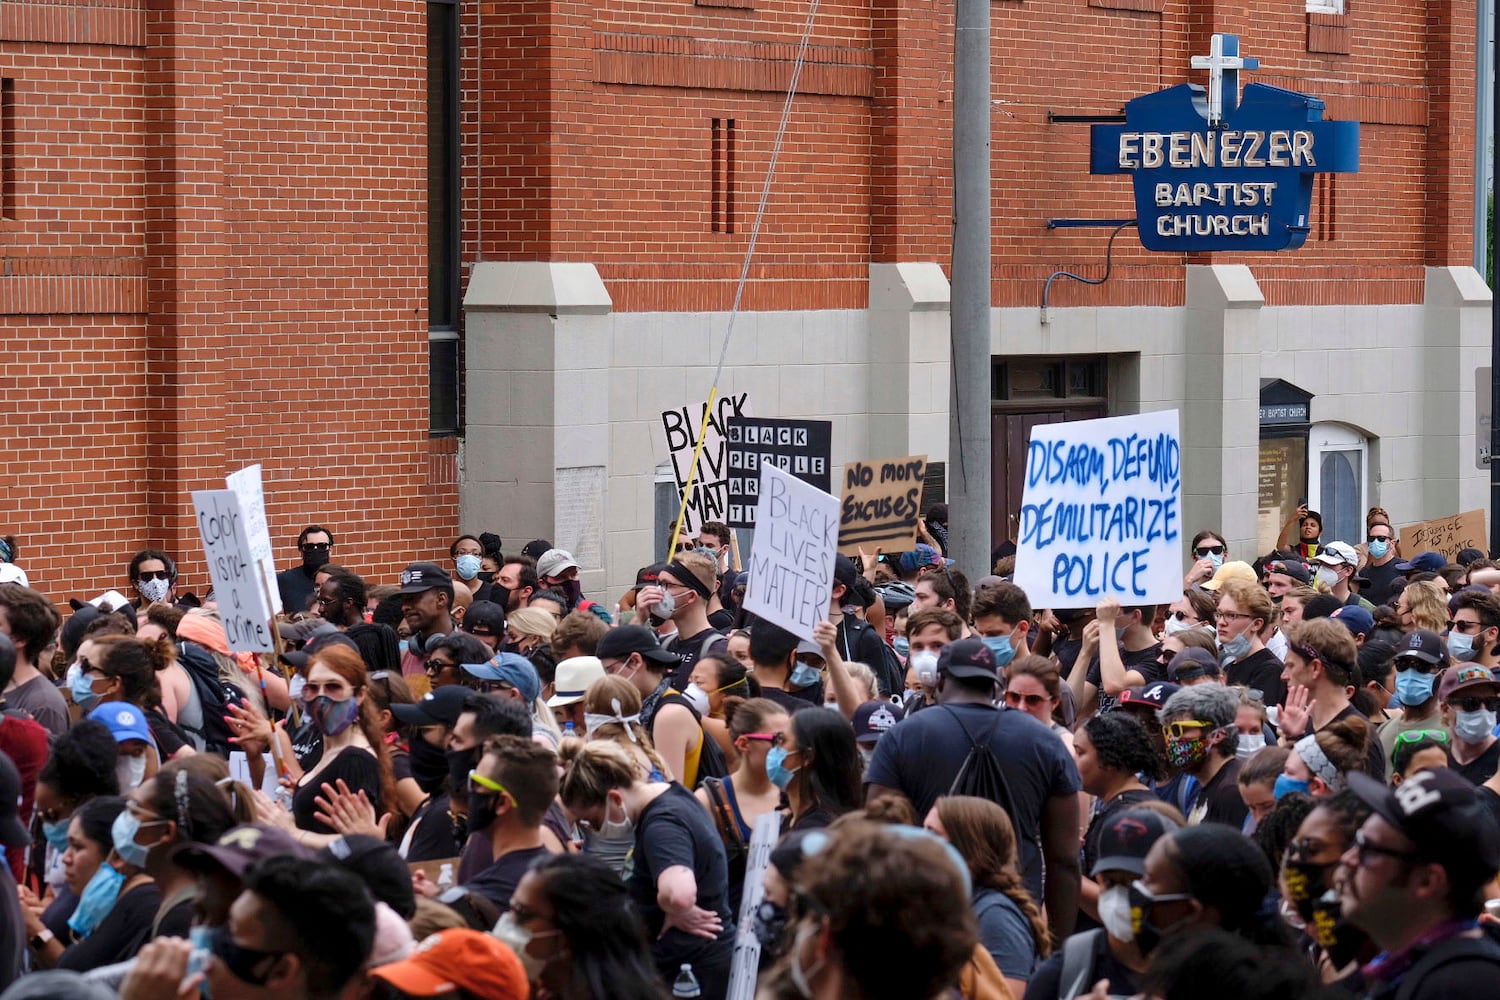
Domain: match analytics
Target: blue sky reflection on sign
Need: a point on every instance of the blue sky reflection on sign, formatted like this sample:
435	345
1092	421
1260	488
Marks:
1215	170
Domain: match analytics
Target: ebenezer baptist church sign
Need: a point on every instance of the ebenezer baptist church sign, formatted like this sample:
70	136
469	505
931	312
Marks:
1214	171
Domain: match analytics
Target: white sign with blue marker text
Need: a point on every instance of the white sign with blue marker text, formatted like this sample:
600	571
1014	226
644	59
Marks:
791	565
1101	514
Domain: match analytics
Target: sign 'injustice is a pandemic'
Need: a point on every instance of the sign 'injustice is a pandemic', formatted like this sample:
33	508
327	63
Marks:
1213	171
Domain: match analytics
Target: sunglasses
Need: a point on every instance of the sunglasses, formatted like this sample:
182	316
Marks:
241	962
154	574
1208	550
1379	538
1416	663
1015	699
1179	730
1475	704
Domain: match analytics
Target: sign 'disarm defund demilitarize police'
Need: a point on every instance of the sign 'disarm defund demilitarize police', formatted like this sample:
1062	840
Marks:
1214	171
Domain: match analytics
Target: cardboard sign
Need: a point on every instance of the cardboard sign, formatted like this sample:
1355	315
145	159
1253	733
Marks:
882	498
1448	535
248	487
791	565
237	582
1101	513
746	961
799	447
709	496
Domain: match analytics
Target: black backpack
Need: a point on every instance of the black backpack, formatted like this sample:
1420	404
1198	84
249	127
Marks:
980	775
214	694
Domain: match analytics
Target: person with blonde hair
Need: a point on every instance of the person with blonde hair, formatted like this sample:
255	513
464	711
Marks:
1423	605
528	628
612	714
679	875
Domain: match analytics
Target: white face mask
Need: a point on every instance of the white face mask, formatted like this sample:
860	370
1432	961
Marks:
516	937
698	698
1249	744
154	591
131	771
612	830
924	665
1176	626
1114	913
1327	576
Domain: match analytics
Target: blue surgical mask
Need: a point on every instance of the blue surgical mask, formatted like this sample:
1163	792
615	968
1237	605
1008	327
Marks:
1216	559
1002	648
97	900
1473	727
81	687
776	768
122	835
57	834
1461	647
468	566
803	676
1380	549
1413	687
1235	649
902	645
1286	784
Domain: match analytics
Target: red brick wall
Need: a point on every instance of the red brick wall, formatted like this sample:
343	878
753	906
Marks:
214	253
599	131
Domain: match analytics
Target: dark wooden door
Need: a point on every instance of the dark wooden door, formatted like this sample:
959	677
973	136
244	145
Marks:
1010	431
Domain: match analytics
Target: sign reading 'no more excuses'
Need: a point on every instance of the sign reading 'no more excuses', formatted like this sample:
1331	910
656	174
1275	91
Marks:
1101	514
882	498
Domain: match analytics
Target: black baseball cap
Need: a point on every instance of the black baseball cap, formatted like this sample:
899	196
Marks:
619	643
1192	663
420	577
1152	696
1421	644
238	849
844	571
438	707
322	637
873	719
967	658
484	618
1293	568
1126	839
533	549
1440	812
380	866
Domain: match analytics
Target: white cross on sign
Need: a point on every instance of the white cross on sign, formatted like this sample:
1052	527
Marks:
1223	63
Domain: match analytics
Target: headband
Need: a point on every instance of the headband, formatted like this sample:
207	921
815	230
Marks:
1317	761
688	578
593	720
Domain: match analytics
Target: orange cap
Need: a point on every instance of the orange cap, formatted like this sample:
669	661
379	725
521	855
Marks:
459	957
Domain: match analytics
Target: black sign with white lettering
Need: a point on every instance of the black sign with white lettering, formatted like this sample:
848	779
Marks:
800	448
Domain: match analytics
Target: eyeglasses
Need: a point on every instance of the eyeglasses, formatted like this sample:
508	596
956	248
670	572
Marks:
1208	550
1462	628
1475	704
311	690
241	962
437	666
316	546
1229	616
687	546
153	574
1182	729
1014	699
1415	663
1363	848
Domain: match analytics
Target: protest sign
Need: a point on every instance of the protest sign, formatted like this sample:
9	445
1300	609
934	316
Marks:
791	564
248	487
800	447
1101	513
708	500
1448	535
882	498
237	583
746	962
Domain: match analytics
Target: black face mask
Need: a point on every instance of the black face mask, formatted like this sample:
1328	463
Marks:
1305	883
770	927
429	764
482	812
460	763
500	594
486	577
1341	940
574	591
313	559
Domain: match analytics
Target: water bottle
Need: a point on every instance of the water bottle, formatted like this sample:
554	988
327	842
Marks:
445	876
686	984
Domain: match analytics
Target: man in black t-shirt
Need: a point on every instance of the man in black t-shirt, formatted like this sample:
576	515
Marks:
509	793
1414	882
682	592
1244	609
1120	651
1201	739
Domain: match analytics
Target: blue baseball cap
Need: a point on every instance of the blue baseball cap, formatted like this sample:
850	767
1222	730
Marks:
509	668
1427	562
125	721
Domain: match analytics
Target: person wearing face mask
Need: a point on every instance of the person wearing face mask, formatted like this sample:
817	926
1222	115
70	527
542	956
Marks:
467	553
1119	651
1209	552
153	576
1002	618
1321	664
1334	567
816	763
138	759
1244	608
716	678
1421	657
1309	898
679	875
1198	724
736	802
81	767
1192	612
1320	762
1380	563
1108	951
124	668
1470	695
872	720
681	594
297	584
1474	628
929	632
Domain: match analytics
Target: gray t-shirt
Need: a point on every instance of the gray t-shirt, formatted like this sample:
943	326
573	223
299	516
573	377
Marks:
40	699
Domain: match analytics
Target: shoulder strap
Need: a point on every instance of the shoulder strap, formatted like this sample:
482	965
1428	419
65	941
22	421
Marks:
961	727
707	643
729	829
1079	954
1452	950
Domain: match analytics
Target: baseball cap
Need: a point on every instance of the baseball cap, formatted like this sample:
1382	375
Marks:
1422	645
1356	619
509	668
238	849
484	618
125	721
420	577
1152	696
534	549
1192	663
1336	554
922	555
1235	569
1464	677
11	573
843	570
12	831
1427	562
967	658
873	719
648	574
555	561
1126	839
1439	811
322	637
1290	567
438	707
574	675
379	865
1466	556
459	958
619	643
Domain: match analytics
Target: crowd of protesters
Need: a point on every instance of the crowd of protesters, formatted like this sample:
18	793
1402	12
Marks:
477	782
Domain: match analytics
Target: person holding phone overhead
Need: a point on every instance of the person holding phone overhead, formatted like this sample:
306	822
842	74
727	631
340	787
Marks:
1309	529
